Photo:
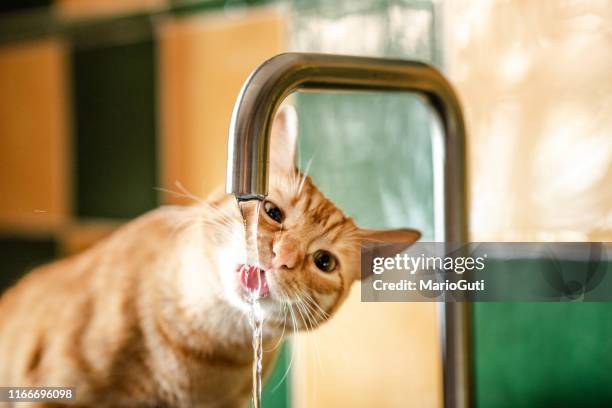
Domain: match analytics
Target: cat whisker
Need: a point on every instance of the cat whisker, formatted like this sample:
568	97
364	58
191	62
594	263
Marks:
341	349
281	337
322	313
293	349
318	314
312	316
184	193
304	175
227	227
314	342
300	308
188	193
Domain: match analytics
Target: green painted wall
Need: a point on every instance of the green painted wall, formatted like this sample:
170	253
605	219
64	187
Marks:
542	354
114	107
371	154
19	254
277	390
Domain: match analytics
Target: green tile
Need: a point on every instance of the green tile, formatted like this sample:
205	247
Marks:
193	7
542	354
276	392
115	130
10	6
19	255
371	154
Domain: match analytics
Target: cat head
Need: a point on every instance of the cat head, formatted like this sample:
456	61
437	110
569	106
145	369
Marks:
307	252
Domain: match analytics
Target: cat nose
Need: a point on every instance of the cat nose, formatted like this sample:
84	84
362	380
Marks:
285	253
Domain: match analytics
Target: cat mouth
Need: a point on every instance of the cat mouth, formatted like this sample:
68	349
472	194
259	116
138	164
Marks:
253	280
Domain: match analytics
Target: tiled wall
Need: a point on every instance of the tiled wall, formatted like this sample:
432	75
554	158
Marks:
94	124
35	182
35	174
101	117
534	77
204	59
372	155
95	117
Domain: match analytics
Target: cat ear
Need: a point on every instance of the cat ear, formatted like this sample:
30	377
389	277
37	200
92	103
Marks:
283	142
405	236
397	241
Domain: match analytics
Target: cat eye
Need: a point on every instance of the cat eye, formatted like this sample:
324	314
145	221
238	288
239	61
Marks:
325	261
273	211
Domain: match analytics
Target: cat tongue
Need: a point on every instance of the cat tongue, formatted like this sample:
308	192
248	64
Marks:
254	279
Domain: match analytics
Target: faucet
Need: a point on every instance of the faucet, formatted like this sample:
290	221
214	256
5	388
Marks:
248	150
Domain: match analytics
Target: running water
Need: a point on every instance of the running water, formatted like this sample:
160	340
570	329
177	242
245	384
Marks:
256	320
254	288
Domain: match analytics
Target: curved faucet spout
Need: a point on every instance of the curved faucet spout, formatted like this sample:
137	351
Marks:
276	78
248	151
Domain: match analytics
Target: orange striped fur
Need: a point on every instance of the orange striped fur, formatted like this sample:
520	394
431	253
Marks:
156	315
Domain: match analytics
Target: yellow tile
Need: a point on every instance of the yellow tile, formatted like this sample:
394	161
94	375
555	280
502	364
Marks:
370	355
87	8
535	84
34	151
203	62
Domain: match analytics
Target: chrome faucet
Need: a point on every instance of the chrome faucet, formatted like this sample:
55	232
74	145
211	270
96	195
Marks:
248	151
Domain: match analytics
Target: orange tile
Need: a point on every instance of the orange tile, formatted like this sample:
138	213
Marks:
88	8
203	62
34	151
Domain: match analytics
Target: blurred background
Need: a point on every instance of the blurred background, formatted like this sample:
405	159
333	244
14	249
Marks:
104	104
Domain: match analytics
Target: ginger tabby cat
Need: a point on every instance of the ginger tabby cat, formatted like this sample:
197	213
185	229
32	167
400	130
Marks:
156	314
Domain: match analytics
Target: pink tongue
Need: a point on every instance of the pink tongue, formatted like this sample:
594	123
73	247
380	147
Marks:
255	280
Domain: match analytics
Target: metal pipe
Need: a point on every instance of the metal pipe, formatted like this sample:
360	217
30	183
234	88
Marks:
248	150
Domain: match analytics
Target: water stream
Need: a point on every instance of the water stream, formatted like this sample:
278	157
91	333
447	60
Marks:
250	209
256	320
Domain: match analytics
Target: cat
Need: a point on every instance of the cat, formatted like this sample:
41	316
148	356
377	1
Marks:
156	315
